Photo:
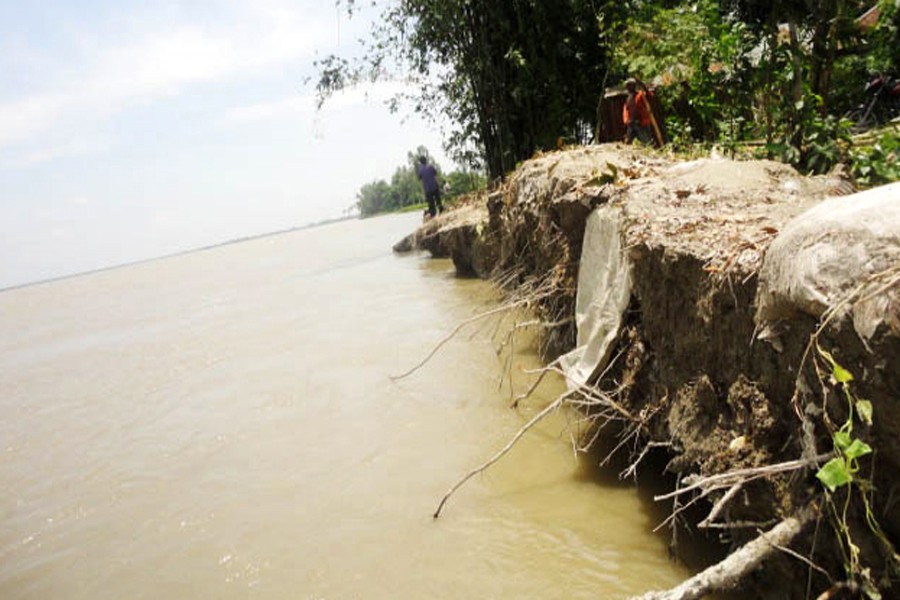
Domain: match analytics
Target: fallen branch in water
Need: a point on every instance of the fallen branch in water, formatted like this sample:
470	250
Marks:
527	295
592	398
534	420
728	573
456	330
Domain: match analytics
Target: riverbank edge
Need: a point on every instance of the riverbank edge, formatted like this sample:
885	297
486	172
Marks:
696	385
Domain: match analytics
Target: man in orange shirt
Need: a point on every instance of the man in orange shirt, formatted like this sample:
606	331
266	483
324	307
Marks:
636	115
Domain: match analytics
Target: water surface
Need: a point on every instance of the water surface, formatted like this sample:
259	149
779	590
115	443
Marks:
222	424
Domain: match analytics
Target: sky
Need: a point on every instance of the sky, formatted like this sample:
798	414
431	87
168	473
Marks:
134	129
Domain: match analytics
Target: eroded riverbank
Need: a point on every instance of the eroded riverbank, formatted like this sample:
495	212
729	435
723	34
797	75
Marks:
743	405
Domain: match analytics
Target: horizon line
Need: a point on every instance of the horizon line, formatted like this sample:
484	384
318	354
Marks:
140	261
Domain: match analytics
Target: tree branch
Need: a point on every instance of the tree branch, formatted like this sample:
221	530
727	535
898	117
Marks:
728	573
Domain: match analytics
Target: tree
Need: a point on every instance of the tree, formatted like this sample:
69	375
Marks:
510	77
463	182
405	189
374	198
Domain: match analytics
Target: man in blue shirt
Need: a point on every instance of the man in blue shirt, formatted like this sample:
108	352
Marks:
428	176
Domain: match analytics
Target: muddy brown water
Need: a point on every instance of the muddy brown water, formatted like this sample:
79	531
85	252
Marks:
221	424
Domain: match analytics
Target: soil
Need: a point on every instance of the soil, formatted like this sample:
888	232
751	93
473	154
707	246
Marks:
693	367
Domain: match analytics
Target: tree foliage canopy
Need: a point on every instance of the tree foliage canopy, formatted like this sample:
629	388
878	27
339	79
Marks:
517	76
509	77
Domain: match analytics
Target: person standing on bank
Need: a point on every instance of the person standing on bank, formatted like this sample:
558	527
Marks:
428	176
636	114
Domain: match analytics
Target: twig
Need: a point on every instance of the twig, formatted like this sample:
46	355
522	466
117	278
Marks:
528	293
720	505
625	438
741	524
452	334
549	409
542	373
678	508
725	479
802	559
632	468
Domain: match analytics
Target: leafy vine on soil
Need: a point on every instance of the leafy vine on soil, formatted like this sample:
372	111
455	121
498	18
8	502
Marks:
844	471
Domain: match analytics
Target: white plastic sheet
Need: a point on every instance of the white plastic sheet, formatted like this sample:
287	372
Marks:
831	251
604	289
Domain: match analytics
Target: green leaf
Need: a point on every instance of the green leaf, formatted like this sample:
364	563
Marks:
834	474
841	440
600	180
864	408
840	374
856	449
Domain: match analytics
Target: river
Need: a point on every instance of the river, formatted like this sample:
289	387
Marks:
221	424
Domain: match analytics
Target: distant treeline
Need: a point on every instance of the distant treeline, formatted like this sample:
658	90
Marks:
405	189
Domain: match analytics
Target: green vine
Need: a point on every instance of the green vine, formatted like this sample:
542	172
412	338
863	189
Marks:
844	467
843	471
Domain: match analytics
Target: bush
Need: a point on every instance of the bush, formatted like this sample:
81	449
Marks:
879	163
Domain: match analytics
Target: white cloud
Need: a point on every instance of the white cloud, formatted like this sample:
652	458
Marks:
368	94
78	201
273	110
305	106
150	65
64	147
20	119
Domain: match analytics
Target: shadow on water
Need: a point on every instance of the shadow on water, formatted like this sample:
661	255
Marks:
692	547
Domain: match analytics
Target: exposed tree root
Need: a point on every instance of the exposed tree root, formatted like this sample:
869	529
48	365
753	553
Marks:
589	397
452	334
729	478
534	421
728	573
528	294
733	481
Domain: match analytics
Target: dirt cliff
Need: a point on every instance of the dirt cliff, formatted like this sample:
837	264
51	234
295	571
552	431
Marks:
744	420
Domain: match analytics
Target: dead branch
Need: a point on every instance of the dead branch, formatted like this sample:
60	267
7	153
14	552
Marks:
594	397
720	505
742	524
632	434
728	573
541	374
456	330
677	509
733	480
729	478
526	295
507	339
632	468
502	452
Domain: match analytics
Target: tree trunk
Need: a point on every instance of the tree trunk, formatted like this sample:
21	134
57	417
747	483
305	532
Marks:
729	573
